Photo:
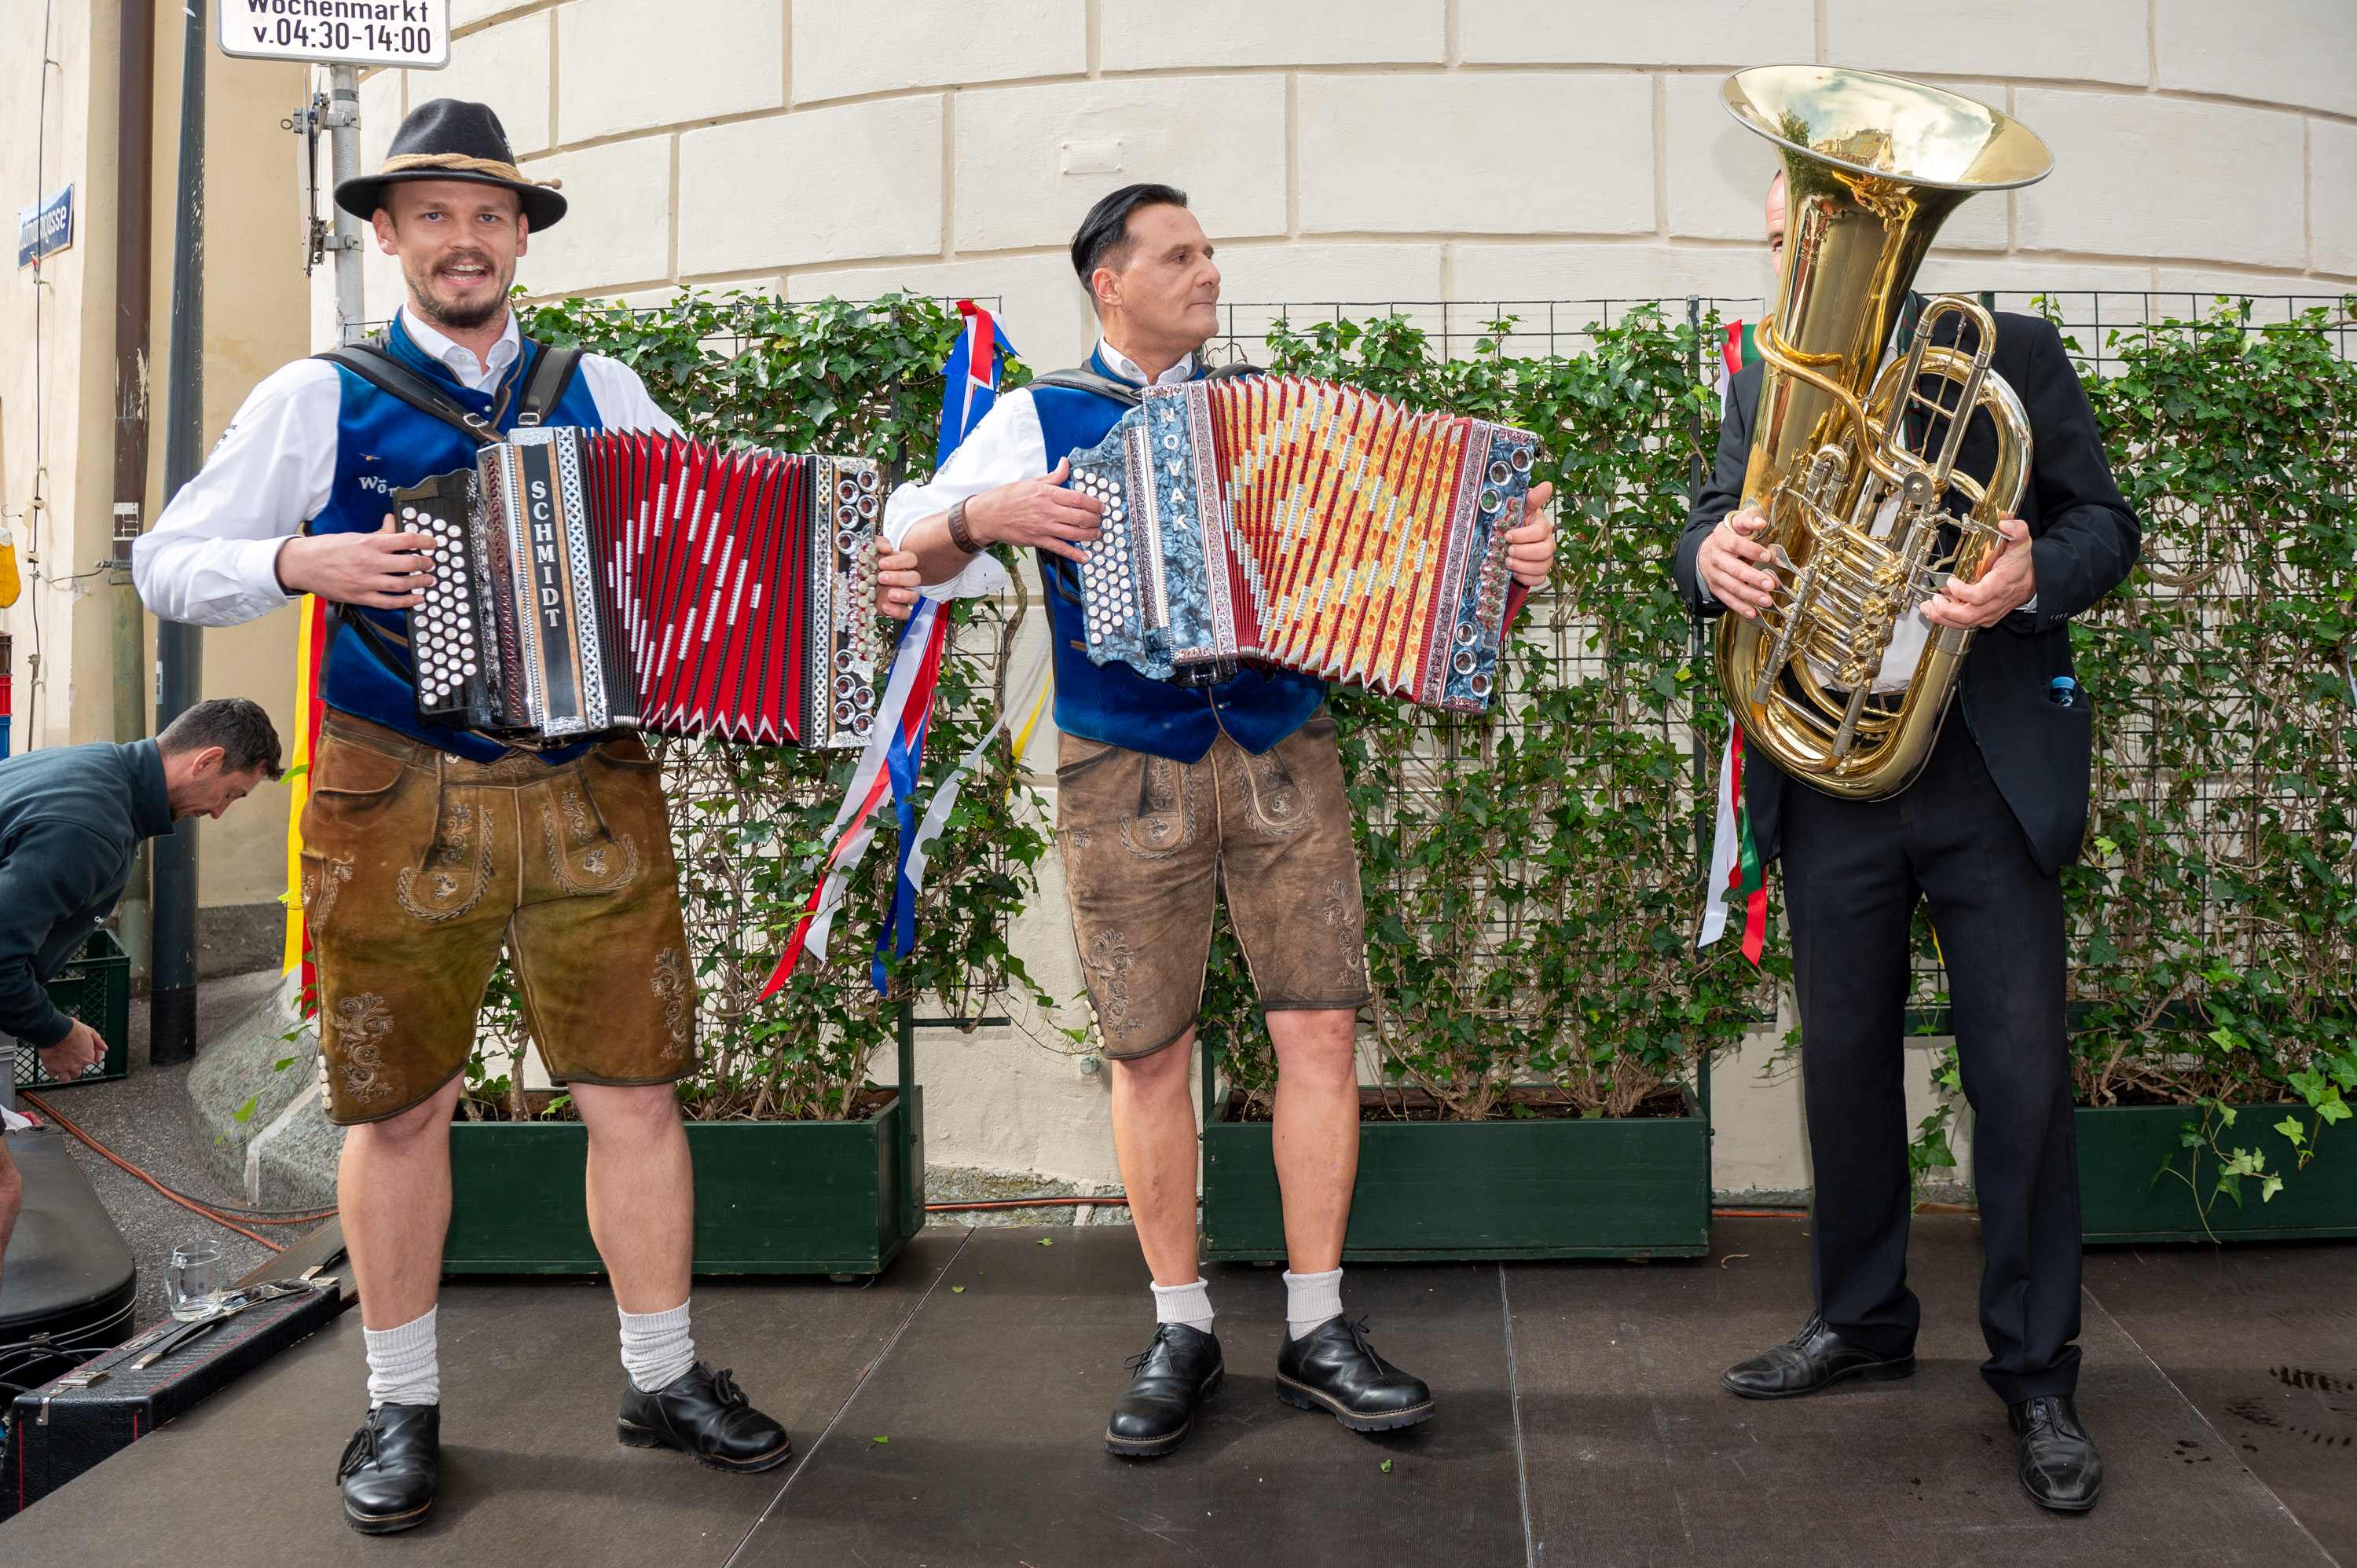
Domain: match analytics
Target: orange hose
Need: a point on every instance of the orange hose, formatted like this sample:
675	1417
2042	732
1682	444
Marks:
1111	1200
186	1202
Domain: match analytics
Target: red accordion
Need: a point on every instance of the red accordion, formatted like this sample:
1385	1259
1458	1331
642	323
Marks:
592	581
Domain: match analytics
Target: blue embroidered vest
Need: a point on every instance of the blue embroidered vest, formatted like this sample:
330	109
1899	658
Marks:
1112	702
383	445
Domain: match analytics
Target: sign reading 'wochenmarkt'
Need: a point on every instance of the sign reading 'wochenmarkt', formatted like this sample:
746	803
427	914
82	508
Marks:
413	33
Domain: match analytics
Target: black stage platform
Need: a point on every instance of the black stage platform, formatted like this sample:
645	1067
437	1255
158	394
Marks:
1580	1423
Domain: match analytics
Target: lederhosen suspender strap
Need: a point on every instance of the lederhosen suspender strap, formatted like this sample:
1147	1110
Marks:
551	375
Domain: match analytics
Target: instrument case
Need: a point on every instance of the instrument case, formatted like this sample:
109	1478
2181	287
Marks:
59	1429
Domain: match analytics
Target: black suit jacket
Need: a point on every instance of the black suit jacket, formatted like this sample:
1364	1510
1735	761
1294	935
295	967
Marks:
2084	541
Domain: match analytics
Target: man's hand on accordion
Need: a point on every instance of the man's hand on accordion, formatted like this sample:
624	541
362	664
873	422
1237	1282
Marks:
387	570
896	582
1530	544
1039	514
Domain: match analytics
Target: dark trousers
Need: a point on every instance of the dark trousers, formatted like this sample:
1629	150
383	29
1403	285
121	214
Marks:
1853	871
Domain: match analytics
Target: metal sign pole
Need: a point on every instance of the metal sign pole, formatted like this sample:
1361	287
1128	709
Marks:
342	119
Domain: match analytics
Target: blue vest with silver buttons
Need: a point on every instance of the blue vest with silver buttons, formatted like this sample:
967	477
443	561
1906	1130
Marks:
1112	702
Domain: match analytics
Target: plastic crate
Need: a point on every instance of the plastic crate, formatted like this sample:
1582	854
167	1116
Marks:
95	988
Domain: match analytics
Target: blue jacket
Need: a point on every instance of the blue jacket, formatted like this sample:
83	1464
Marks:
1112	702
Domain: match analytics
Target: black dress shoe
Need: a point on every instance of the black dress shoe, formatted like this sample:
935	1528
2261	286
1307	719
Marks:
1333	1368
1177	1372
704	1412
390	1469
2059	1465
1814	1358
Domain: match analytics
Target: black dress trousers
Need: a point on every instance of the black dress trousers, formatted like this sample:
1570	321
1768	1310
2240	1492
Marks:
1853	871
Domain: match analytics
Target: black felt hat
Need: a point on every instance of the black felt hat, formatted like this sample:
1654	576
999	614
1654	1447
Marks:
450	138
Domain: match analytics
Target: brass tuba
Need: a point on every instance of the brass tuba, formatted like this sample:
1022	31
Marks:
1857	528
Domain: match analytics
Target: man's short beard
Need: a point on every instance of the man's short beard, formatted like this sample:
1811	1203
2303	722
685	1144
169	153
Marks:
463	319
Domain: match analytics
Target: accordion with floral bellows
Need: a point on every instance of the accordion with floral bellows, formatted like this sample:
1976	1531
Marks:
592	581
1305	525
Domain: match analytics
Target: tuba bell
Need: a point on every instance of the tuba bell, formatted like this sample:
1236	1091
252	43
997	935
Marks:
1854	469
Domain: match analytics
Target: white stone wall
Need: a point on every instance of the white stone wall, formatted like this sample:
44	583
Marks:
1371	151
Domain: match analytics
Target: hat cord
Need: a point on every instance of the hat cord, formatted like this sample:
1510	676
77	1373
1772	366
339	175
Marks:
462	163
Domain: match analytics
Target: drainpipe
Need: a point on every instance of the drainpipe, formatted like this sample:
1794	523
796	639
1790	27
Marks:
135	138
179	650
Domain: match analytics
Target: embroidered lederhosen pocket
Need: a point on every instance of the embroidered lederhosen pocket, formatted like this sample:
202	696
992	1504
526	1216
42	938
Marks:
1167	814
1280	806
352	794
598	816
350	775
364	802
449	878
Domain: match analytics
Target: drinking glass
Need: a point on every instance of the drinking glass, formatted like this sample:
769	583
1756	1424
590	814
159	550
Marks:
196	1281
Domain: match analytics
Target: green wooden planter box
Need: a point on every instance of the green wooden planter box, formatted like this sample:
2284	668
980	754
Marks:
771	1198
1468	1190
2120	1147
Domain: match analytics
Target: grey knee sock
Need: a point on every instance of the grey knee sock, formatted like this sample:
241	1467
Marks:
1310	1300
403	1367
1190	1304
657	1349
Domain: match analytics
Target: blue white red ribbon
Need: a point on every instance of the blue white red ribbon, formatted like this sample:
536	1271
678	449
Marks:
907	700
896	750
917	843
970	378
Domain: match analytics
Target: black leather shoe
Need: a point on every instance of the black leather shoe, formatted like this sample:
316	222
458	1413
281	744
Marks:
1177	1372
1333	1368
704	1412
1814	1358
390	1469
2059	1465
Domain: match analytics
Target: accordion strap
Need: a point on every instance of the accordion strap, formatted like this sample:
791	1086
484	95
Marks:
550	375
1127	393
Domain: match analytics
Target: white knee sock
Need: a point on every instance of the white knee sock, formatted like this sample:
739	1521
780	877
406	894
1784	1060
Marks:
1187	1305
656	1348
403	1367
1310	1300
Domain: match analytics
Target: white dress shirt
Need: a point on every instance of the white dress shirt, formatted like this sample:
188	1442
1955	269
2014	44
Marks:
1008	446
212	558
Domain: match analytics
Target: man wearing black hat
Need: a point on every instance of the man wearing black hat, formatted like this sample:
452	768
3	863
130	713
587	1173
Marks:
429	848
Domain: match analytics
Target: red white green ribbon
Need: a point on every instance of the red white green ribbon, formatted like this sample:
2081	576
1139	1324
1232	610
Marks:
1736	871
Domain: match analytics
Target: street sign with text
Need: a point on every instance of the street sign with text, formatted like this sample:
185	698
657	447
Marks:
45	227
415	33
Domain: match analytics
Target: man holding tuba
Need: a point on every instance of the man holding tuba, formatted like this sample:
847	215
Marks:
1939	750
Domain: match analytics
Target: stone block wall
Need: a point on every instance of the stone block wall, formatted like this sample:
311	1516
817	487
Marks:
1371	151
